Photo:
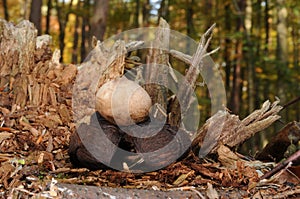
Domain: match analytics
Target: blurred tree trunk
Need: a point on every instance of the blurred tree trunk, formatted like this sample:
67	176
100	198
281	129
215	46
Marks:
235	99
267	27
282	51
142	13
257	53
250	57
85	30
227	48
62	24
137	13
76	36
296	61
259	139
164	10
49	7
36	14
189	18
208	12
63	18
146	13
98	20
5	9
25	9
266	46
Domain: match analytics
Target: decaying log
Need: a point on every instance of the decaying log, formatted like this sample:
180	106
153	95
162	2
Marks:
91	135
233	130
156	56
109	64
278	145
221	128
28	68
165	147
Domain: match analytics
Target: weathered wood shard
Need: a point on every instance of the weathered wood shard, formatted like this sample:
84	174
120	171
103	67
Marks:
94	135
155	73
233	130
165	147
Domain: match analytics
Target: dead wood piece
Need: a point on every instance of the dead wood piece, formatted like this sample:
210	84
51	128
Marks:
265	116
278	145
292	159
228	158
67	75
200	62
157	151
155	73
221	122
17	49
164	147
227	129
29	73
43	48
90	140
64	113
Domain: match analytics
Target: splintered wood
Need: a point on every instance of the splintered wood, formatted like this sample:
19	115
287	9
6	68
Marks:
228	129
35	105
28	69
36	123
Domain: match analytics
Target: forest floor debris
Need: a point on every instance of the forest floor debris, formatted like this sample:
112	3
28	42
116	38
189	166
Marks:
35	128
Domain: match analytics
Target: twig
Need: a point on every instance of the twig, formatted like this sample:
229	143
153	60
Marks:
181	56
297	99
281	165
8	129
133	45
197	59
186	89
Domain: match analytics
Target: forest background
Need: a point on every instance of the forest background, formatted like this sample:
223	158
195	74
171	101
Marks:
259	42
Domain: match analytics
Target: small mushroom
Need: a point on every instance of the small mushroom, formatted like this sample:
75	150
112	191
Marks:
123	102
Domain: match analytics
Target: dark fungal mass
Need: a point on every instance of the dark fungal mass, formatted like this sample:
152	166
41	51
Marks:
91	136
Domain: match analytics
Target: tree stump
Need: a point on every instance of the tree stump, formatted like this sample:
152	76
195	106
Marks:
28	67
222	128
